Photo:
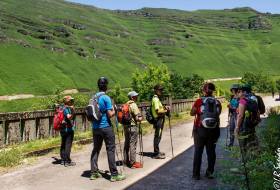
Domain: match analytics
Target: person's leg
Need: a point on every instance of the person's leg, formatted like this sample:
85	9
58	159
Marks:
97	145
62	146
109	138
126	146
133	143
198	151
232	125
158	133
68	145
211	156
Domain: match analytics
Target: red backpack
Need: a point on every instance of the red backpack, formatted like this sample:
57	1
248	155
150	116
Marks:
124	115
58	118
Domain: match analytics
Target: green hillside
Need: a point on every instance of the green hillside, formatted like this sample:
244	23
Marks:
50	44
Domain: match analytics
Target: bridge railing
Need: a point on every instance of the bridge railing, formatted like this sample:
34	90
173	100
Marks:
16	127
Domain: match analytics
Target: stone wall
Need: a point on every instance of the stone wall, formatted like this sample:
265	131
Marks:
27	126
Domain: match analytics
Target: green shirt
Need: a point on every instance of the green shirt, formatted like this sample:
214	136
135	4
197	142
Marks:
156	105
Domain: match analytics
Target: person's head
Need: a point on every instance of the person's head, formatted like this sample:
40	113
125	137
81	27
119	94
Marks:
68	100
234	88
133	95
158	89
208	89
102	84
244	90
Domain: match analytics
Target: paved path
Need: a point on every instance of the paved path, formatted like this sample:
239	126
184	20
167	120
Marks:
45	175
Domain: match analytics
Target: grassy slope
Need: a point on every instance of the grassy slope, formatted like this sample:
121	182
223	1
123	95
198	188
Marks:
120	42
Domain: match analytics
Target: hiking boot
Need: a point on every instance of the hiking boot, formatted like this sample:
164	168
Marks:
62	162
95	175
209	175
136	165
196	177
69	164
162	153
118	177
159	156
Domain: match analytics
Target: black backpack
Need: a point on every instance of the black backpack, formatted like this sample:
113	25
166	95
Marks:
149	116
210	111
252	114
261	105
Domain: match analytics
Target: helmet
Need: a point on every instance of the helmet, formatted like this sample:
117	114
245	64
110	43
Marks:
234	86
102	82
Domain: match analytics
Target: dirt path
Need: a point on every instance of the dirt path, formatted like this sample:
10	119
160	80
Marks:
45	175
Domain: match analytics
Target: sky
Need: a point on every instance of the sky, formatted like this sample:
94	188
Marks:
272	6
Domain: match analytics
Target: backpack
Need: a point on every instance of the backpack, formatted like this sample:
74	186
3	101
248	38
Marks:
149	116
261	105
93	112
58	120
124	115
252	114
210	111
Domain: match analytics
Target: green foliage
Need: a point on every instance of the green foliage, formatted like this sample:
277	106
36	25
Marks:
277	85
118	94
259	82
9	158
114	43
260	163
143	82
185	87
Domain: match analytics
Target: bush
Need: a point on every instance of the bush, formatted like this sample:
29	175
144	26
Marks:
260	82
185	87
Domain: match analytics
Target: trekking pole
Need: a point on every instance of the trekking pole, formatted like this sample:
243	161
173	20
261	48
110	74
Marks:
170	131
228	128
245	168
119	139
141	145
169	121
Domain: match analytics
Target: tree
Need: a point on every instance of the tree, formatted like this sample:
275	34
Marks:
278	86
259	82
144	81
186	87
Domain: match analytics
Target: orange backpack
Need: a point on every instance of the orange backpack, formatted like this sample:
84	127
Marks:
124	115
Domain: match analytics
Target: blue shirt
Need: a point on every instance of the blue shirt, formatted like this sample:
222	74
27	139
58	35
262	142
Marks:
70	124
105	104
234	103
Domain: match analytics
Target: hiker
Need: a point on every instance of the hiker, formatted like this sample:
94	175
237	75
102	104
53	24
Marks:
158	112
131	132
248	118
233	105
103	130
67	131
206	130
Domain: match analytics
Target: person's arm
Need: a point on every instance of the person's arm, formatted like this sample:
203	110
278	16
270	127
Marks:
194	109
240	116
159	109
68	113
109	107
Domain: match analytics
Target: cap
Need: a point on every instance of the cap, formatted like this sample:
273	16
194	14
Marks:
132	94
158	87
67	98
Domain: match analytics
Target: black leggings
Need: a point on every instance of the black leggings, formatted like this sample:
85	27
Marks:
66	144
